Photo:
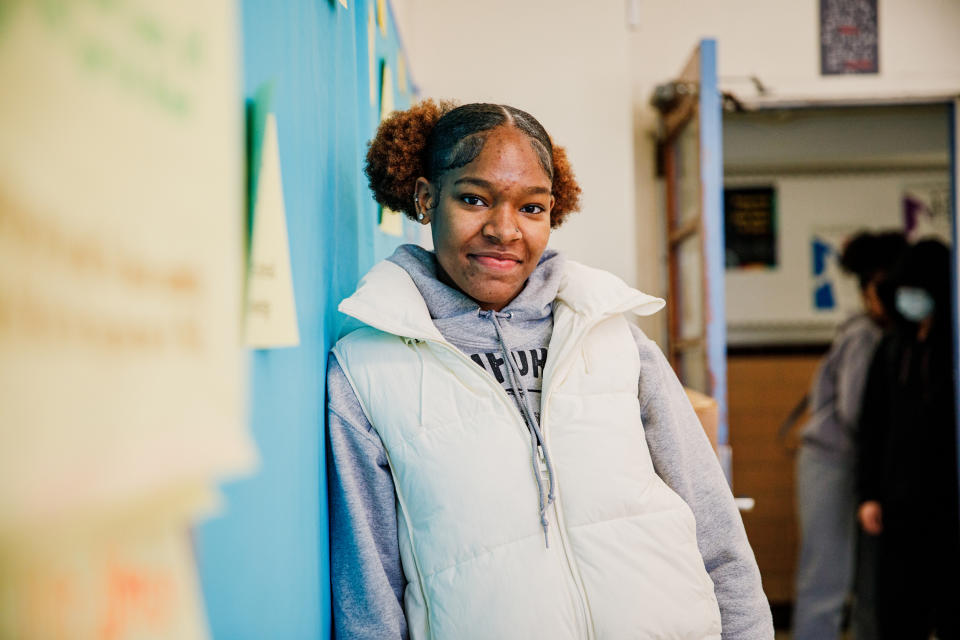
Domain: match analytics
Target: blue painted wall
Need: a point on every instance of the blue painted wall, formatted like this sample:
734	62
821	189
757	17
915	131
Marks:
264	562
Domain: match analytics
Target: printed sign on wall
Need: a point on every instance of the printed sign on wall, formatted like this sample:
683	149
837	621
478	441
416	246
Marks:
926	211
750	227
848	37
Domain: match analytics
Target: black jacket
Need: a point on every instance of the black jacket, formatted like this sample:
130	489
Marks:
907	431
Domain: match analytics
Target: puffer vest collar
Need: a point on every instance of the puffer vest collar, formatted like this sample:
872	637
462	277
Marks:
388	300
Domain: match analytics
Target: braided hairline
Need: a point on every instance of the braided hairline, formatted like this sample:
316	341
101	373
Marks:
398	155
467	148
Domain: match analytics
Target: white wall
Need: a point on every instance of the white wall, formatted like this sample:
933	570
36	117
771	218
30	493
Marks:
588	78
778	41
567	64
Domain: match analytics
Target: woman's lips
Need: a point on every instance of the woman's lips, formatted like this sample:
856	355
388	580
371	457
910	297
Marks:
497	263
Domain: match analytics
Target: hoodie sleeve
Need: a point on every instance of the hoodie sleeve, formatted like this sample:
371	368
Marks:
684	459
852	371
365	571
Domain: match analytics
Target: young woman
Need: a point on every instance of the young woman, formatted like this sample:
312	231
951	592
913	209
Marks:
908	455
509	456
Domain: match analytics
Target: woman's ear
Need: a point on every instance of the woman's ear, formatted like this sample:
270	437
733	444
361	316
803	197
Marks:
424	200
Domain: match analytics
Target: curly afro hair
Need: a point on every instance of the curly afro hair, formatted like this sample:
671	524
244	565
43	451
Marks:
431	138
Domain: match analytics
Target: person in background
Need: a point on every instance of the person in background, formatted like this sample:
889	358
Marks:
510	457
908	456
826	477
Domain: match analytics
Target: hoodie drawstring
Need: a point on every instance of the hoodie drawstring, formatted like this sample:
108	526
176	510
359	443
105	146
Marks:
412	343
538	447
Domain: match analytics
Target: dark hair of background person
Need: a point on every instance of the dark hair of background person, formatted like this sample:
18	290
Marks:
429	139
871	255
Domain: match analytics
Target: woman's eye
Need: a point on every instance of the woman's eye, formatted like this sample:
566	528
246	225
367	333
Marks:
474	201
532	208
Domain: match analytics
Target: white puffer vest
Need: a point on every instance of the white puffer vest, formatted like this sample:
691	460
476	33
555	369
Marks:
623	560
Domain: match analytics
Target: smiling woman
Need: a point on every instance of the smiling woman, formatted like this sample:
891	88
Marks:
490	219
510	457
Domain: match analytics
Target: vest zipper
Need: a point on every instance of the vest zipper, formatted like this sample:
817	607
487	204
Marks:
557	507
565	544
558	502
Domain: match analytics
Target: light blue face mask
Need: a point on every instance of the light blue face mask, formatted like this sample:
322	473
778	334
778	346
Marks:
914	304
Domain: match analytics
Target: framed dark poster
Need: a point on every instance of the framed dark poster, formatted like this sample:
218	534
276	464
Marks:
848	37
750	227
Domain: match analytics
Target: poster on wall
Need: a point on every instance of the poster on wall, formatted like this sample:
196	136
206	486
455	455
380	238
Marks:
926	211
848	37
832	289
750	227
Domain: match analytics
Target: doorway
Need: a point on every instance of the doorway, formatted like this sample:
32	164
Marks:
808	177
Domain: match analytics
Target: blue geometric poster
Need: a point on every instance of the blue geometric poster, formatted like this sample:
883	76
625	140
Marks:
832	289
823	297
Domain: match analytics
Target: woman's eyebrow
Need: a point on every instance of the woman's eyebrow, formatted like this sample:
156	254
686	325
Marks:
534	190
480	182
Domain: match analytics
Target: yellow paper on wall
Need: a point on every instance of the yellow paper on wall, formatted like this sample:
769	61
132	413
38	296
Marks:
121	252
271	317
382	16
391	222
126	577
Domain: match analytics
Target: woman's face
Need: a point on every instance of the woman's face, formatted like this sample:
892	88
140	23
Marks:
491	219
872	301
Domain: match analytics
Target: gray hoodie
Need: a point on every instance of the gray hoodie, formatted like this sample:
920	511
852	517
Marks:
837	391
367	577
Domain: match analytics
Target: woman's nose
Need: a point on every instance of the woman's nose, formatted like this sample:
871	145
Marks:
502	226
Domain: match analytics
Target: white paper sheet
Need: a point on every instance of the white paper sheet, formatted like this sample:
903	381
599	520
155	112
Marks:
271	310
121	245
